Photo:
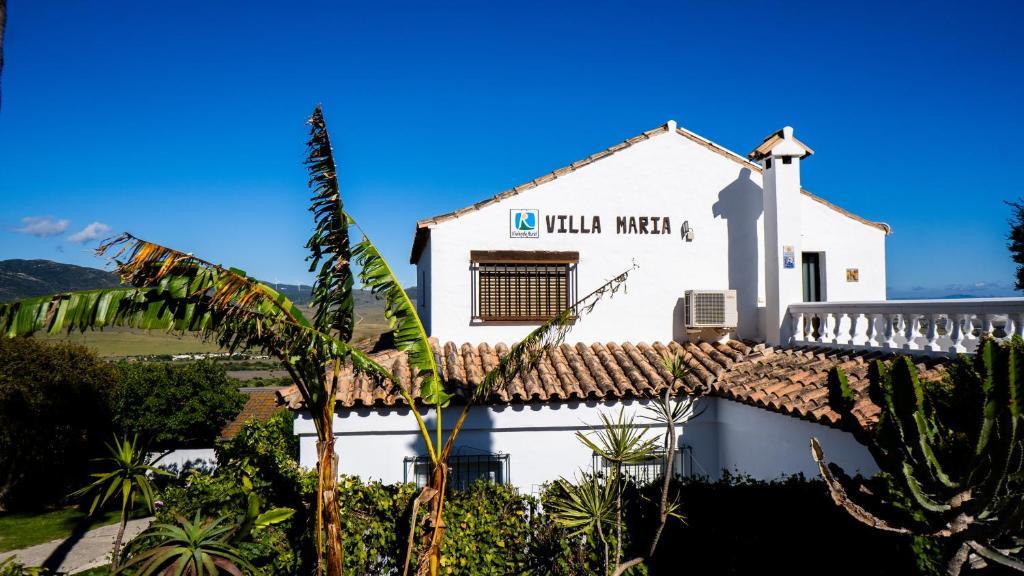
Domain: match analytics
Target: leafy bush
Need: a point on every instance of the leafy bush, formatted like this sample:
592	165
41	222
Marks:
54	416
263	456
174	405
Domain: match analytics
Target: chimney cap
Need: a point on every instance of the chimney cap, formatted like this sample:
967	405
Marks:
776	138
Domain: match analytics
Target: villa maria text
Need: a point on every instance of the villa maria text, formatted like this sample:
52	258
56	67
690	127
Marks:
566	224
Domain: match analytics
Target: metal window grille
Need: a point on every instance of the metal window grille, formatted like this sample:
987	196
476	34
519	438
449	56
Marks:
463	469
650	469
522	292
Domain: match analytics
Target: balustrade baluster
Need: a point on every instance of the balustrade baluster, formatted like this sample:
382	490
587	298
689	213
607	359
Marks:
956	334
889	330
841	332
930	340
824	327
857	336
797	324
911	329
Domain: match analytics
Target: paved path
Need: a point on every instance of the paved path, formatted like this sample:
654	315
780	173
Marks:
92	550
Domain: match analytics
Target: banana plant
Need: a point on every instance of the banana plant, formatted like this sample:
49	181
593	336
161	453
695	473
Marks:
171	290
956	467
423	359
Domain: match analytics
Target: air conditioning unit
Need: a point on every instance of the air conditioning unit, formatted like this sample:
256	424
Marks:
710	309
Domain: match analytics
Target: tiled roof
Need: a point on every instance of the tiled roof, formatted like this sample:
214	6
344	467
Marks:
786	380
262	404
774	138
423	226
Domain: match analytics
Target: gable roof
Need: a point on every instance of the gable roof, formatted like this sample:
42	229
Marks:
765	148
791	381
423	226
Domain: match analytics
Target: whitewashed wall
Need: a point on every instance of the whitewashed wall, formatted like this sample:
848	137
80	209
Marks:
183	459
541	443
668	175
846	243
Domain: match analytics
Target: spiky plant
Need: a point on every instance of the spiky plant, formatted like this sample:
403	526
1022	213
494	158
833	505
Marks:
127	474
956	467
188	548
585	508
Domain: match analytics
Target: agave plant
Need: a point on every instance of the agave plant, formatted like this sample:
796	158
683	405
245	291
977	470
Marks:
188	548
957	471
585	508
592	506
127	475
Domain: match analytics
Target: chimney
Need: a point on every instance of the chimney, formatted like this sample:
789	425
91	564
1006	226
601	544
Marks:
780	154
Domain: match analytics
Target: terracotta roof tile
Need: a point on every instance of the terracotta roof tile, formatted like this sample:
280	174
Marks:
785	380
262	403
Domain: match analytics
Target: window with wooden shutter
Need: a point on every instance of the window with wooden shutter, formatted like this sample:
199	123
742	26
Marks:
522	286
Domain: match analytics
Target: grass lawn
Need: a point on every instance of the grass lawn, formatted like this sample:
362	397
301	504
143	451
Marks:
21	530
127	342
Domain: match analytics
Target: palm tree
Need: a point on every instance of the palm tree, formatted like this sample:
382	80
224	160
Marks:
128	476
196	548
177	291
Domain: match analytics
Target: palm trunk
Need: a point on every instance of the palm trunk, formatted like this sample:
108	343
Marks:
430	562
329	520
115	554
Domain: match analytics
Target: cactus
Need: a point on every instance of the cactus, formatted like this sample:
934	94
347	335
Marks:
952	453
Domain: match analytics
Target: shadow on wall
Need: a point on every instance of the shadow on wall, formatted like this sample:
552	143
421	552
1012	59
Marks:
740	204
471	457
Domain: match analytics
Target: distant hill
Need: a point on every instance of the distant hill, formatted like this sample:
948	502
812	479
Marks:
27	278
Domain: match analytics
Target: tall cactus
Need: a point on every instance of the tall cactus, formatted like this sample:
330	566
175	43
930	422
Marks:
953	452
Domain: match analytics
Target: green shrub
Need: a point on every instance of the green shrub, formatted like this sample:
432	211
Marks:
172	405
54	417
263	454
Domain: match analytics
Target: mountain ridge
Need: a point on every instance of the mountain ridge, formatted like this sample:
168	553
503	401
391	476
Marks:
21	278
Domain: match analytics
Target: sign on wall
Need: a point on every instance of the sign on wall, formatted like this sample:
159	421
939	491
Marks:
853	274
788	257
523	223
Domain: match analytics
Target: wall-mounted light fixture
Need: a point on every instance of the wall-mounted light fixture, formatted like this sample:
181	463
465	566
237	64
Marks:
687	232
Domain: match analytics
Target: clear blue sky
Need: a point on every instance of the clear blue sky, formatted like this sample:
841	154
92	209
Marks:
183	122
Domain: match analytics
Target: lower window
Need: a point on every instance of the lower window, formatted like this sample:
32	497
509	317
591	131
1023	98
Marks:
463	469
651	468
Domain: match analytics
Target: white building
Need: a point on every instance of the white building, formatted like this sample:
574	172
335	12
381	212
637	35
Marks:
690	215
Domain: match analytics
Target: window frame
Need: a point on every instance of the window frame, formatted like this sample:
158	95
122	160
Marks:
481	259
458	478
682	465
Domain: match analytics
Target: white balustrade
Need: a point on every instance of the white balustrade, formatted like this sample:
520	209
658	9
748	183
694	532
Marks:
919	326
